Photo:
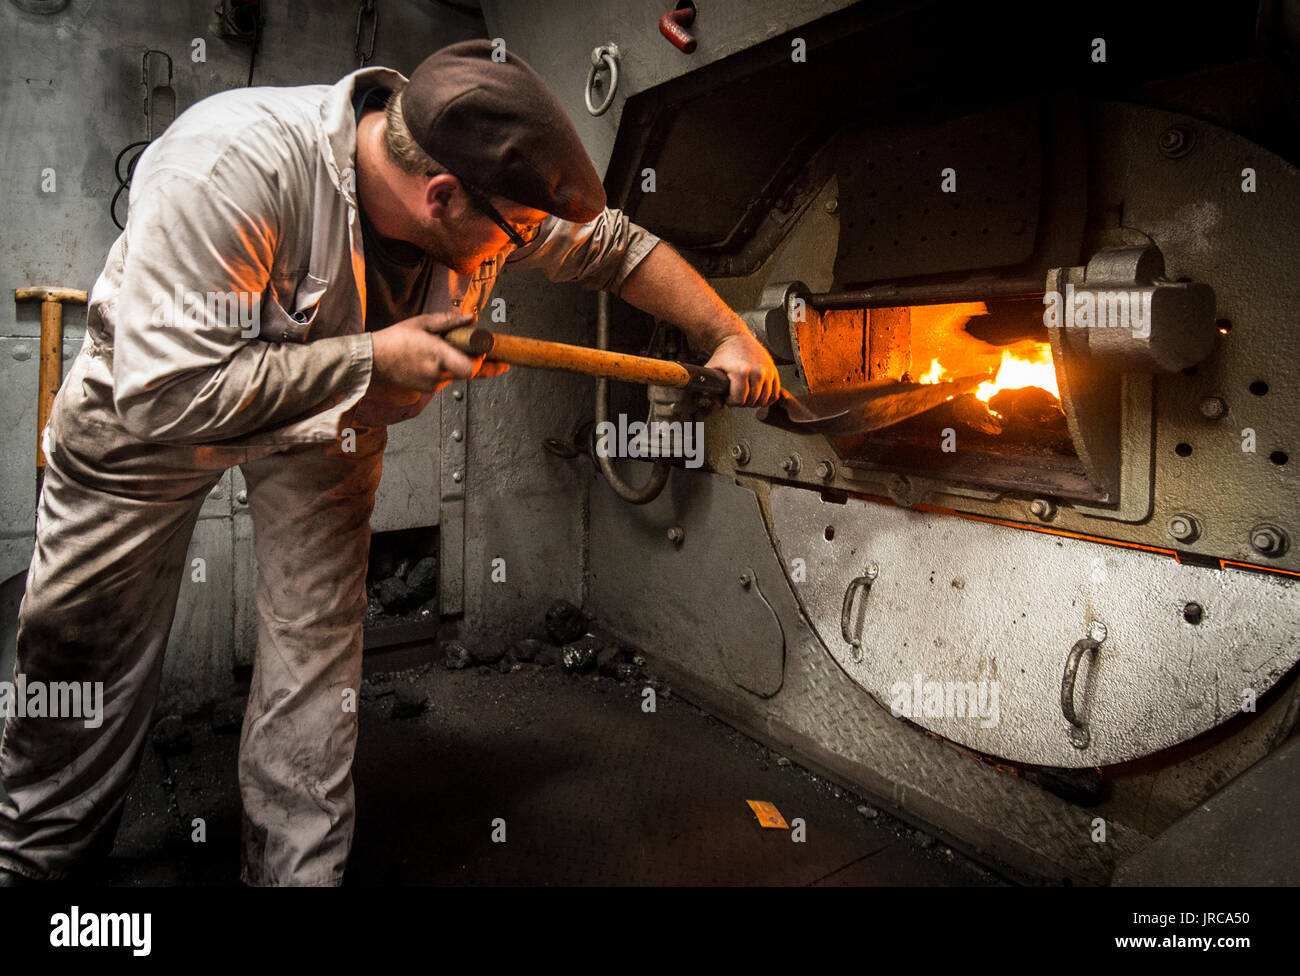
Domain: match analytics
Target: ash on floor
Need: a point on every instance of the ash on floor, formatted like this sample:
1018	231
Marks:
532	773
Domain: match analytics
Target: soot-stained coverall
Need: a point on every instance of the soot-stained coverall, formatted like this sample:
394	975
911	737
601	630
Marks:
248	193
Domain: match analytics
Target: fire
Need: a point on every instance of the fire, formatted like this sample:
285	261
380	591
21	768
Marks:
1016	373
1030	364
935	375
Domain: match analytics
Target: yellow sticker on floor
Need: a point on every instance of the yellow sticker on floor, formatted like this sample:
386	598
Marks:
768	815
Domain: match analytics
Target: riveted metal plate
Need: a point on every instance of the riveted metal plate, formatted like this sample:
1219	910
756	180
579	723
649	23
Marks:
930	199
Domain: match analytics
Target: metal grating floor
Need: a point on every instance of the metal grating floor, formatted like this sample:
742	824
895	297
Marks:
593	790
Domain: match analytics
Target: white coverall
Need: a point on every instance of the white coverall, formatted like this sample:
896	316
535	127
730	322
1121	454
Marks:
249	192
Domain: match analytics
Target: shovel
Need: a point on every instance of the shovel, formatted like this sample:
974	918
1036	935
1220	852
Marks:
855	410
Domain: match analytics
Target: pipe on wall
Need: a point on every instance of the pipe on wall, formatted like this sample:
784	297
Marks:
659	474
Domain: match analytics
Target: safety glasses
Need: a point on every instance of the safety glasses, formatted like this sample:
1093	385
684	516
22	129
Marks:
480	200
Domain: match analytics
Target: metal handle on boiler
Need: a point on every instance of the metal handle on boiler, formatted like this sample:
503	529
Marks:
863	583
1079	736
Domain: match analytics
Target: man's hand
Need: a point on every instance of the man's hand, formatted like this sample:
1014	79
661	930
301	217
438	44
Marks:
754	380
664	285
412	355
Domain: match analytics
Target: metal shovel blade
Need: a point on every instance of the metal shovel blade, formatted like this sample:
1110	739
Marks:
860	409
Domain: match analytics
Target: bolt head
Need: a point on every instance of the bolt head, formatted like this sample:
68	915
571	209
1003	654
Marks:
1177	140
1268	540
1183	528
825	470
791	464
832	205
740	453
1097	631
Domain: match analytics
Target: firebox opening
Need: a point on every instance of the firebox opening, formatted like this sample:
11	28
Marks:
1010	433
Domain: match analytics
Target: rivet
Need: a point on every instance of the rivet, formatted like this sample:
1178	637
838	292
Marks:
1213	408
1043	508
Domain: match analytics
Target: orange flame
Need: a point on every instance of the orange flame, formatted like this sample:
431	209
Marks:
1017	372
1029	365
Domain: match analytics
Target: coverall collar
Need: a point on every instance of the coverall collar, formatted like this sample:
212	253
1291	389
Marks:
339	127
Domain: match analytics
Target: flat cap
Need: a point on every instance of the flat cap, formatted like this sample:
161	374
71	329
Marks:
496	125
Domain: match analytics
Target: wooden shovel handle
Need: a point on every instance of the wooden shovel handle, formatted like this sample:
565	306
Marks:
519	351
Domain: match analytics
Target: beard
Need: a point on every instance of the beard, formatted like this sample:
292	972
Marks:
438	240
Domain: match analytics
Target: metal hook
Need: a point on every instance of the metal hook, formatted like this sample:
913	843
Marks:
366	9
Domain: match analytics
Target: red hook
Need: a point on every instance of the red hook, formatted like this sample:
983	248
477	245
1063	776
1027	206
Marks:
673	26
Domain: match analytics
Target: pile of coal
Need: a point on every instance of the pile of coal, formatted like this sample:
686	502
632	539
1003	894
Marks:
970	411
1029	407
564	622
456	656
568	638
408	589
605	653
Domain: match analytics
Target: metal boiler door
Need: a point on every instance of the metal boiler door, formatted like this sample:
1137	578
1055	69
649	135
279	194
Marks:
950	611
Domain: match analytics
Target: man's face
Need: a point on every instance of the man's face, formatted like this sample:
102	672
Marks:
459	235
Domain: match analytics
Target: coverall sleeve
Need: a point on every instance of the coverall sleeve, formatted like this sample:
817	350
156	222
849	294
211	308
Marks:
188	364
599	254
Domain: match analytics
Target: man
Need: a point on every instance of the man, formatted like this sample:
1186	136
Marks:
290	258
